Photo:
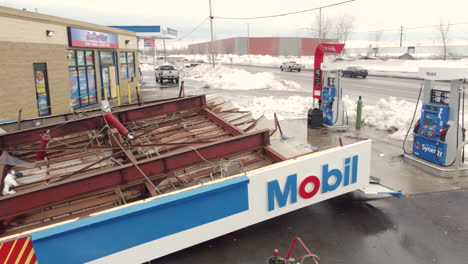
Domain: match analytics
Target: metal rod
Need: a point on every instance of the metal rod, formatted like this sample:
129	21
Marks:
105	147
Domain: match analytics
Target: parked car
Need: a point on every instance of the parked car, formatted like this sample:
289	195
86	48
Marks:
290	66
354	71
192	63
166	72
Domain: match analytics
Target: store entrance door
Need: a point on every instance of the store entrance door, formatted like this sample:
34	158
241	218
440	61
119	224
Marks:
42	89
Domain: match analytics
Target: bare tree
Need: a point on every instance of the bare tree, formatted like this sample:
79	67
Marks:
443	30
377	37
344	26
322	25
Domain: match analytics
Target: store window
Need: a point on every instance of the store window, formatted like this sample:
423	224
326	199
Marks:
42	89
127	65
82	77
109	74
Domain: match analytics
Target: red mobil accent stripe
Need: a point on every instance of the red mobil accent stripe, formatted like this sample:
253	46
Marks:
15	251
26	253
4	250
19	251
94	44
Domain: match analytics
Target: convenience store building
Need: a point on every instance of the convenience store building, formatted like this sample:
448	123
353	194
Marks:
53	65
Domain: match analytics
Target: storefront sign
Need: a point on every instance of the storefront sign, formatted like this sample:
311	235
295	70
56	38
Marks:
149	42
93	39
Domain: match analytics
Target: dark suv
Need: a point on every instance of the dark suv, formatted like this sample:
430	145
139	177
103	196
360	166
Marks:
355	71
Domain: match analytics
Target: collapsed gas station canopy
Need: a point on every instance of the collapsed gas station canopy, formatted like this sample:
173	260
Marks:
155	32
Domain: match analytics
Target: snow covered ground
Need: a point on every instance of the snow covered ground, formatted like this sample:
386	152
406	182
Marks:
223	77
266	93
394	115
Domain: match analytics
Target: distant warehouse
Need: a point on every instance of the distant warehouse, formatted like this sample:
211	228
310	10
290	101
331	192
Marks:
261	46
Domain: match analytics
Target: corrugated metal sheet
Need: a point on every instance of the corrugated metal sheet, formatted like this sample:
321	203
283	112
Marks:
261	46
264	46
241	47
290	47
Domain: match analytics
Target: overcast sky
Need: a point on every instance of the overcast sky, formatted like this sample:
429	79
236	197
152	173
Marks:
184	15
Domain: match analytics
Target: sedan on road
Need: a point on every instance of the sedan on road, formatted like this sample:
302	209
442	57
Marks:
355	71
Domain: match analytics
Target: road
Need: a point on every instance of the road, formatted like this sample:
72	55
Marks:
370	88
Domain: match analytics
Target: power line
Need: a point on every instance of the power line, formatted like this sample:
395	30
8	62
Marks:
186	35
287	14
420	27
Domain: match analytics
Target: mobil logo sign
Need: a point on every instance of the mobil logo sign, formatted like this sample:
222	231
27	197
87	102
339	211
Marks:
329	180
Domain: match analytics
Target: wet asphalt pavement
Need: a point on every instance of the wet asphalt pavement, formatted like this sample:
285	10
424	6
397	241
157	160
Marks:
428	225
422	229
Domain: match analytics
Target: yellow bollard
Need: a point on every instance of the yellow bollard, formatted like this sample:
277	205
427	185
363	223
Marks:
105	93
118	95
129	93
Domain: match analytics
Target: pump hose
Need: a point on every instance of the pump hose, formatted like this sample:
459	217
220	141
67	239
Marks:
313	257
412	120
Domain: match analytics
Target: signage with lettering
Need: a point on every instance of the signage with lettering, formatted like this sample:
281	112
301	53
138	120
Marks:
92	39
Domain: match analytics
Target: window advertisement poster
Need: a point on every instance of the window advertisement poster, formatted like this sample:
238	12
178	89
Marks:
89	57
123	71
93	39
81	57
83	83
92	86
75	93
42	98
71	57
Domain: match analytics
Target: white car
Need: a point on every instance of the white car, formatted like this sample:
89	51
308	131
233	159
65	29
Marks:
166	72
290	66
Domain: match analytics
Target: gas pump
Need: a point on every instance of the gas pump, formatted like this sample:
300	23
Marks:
331	102
439	132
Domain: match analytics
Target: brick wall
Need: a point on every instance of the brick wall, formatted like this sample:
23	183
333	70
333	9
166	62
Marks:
17	87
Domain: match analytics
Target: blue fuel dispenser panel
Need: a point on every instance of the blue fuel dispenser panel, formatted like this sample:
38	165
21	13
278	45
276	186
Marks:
328	96
429	144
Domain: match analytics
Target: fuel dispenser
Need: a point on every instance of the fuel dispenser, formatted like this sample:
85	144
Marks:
439	131
331	102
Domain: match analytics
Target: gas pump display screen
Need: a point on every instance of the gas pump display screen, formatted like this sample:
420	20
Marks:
331	81
440	97
428	122
431	108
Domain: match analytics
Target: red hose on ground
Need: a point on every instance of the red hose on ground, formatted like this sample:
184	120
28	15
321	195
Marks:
44	141
111	118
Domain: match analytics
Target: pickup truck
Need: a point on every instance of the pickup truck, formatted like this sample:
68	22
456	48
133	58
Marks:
290	66
166	72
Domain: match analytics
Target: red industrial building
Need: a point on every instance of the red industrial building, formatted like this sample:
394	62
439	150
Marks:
273	46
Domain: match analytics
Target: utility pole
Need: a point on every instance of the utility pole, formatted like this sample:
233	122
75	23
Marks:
165	54
212	43
320	24
401	36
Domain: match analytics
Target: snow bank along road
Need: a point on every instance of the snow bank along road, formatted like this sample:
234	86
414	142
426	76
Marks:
371	88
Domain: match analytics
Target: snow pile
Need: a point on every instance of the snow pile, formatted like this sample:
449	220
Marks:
292	107
388	114
147	67
222	77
